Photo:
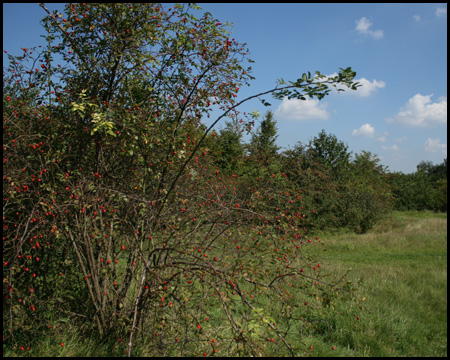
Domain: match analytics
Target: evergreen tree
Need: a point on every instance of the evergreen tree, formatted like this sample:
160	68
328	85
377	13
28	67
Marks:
263	140
230	147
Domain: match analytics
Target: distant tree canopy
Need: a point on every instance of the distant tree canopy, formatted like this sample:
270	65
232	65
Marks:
425	189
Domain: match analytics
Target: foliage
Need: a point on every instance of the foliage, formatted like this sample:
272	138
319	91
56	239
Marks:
263	140
371	194
402	259
341	192
228	148
115	212
330	152
426	189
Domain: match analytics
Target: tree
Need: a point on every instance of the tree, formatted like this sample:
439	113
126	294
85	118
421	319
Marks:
342	192
263	140
321	169
330	151
434	172
424	189
262	160
111	173
369	194
230	149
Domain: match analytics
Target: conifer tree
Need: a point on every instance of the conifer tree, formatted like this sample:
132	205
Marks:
263	141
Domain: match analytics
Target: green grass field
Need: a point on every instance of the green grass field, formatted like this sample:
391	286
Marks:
401	266
400	298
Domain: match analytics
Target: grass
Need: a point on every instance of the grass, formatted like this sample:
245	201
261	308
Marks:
400	267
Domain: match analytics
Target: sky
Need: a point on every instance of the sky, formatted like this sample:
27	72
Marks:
399	52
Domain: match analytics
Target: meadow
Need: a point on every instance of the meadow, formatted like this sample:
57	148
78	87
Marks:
399	304
401	270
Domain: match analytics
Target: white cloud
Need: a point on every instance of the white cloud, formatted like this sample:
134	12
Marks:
416	18
391	148
366	89
365	130
308	109
363	25
421	111
434	145
441	11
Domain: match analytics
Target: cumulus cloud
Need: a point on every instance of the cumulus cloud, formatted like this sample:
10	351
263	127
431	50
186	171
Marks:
391	148
441	11
420	111
416	18
367	87
308	109
365	130
363	27
434	145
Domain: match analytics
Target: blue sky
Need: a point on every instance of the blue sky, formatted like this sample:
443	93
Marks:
399	52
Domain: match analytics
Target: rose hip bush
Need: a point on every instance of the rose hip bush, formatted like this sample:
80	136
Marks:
115	213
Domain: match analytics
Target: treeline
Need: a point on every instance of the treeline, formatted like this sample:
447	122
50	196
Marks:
425	189
339	189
